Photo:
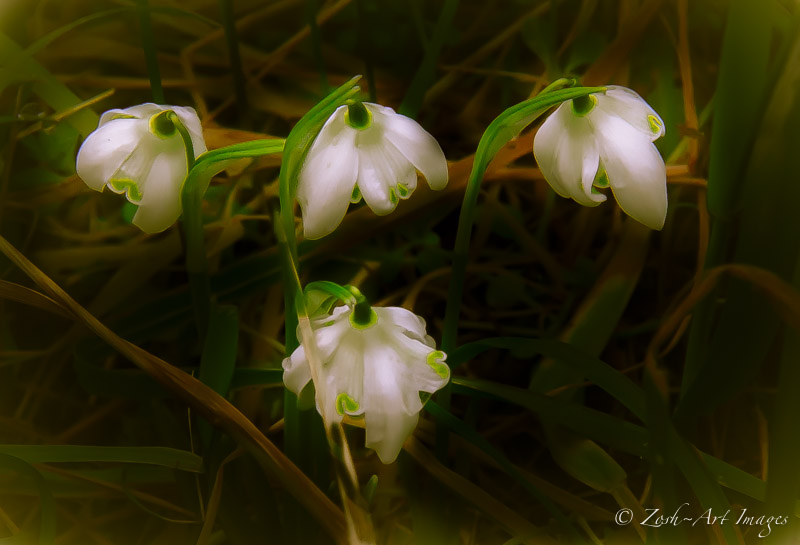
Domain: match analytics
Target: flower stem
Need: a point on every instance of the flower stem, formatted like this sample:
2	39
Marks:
150	53
194	188
505	127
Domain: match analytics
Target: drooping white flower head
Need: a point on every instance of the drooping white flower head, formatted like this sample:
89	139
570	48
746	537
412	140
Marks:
606	140
376	368
365	150
138	152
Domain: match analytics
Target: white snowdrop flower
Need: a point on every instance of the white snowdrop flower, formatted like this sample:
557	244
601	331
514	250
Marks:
139	151
365	150
606	139
375	362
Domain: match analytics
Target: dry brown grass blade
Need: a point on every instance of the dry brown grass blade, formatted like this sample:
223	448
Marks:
27	296
201	399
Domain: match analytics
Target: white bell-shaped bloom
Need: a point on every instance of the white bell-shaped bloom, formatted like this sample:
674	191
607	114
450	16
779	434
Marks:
137	152
606	140
365	150
377	370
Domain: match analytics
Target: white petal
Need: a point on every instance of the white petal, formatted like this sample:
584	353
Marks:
328	331
391	401
376	180
404	319
567	154
635	169
344	372
296	372
414	142
161	193
141	111
387	430
188	116
625	103
328	177
104	150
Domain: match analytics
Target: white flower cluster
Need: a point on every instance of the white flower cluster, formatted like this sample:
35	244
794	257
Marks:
377	367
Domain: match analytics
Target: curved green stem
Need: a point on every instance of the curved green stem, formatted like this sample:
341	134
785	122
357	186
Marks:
505	127
194	188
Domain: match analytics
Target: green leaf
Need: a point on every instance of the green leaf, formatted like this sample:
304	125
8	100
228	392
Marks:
609	379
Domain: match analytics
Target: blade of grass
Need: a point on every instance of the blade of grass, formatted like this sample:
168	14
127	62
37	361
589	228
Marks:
234	57
159	456
54	93
463	429
423	78
747	324
202	399
738	106
609	379
150	51
47	524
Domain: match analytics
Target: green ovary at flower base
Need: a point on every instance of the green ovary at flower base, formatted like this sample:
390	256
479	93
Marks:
140	152
606	139
374	365
365	150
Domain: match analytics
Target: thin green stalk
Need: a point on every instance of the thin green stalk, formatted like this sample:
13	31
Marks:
194	188
150	53
505	127
232	40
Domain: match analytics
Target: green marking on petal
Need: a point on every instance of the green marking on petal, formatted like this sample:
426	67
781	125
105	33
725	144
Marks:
356	196
438	367
363	317
123	116
402	190
128	187
329	323
161	125
346	404
656	125
583	105
601	179
357	116
393	196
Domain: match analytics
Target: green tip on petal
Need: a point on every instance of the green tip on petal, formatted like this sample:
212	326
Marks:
438	367
161	125
402	190
393	196
656	125
128	187
346	404
601	179
583	105
123	116
357	116
356	196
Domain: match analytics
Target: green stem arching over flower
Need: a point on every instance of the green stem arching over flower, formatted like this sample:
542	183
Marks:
500	131
193	190
505	127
